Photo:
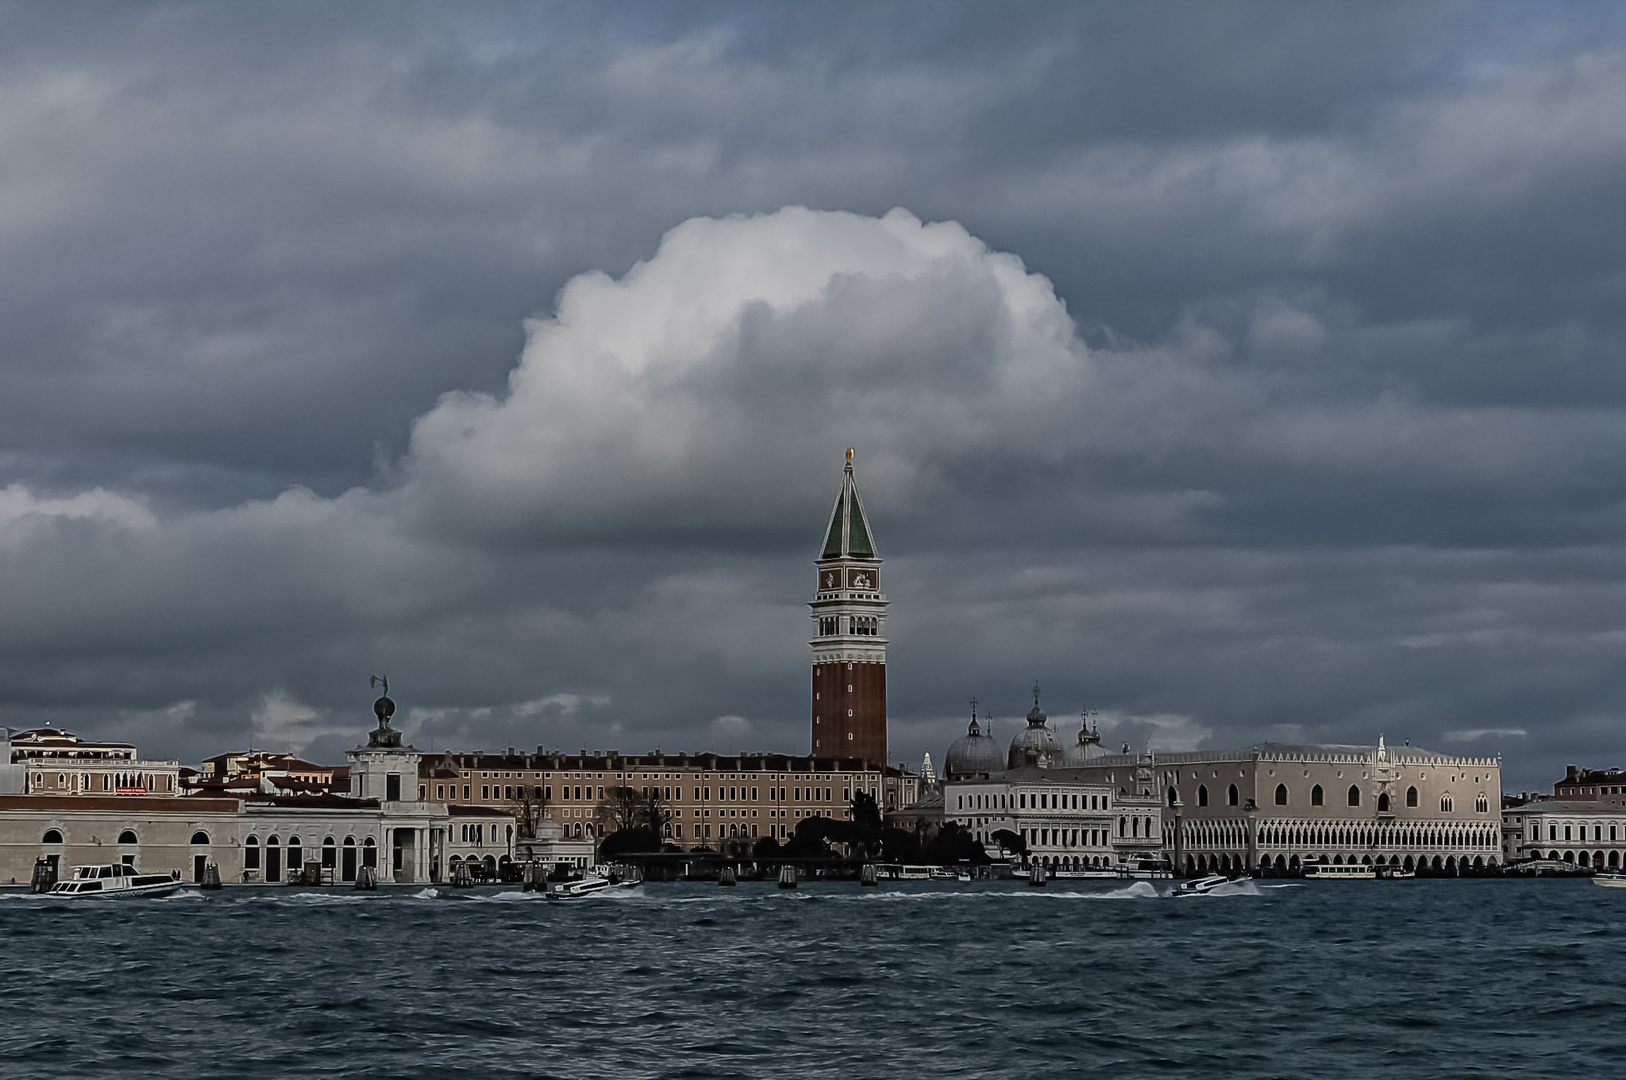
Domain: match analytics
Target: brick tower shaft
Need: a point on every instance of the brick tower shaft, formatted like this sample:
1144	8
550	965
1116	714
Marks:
849	637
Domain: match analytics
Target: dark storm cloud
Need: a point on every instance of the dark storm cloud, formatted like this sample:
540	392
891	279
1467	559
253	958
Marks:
1331	453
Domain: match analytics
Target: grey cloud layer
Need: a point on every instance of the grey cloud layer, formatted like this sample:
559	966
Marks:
1331	450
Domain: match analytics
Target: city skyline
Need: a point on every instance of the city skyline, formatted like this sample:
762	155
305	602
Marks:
1242	375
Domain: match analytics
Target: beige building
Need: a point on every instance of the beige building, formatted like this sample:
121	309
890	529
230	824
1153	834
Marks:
252	837
251	840
1276	806
709	797
50	761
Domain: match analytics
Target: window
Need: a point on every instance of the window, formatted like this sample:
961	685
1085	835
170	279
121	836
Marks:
465	791
1482	803
1354	795
1411	796
52	837
392	787
200	838
1383	803
485	791
1202	795
1445	804
251	853
1281	794
1315	797
128	836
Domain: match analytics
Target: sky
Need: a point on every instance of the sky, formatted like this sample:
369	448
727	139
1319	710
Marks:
1238	372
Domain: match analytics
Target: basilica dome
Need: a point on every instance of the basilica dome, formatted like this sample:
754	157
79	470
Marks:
972	754
1035	744
1084	751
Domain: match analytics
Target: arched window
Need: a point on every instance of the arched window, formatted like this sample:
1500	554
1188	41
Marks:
1383	803
200	838
251	853
1411	796
52	837
1445	804
1231	796
128	836
1202	794
1315	797
1482	805
1281	794
1354	795
1174	796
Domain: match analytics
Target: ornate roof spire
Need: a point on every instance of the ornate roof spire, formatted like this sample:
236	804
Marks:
848	535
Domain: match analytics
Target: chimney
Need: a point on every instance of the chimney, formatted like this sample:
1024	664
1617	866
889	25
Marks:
1569	773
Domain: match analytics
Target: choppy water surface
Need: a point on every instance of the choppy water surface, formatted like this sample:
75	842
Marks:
1325	979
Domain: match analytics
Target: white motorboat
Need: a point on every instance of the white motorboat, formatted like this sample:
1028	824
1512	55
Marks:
1610	881
115	880
1201	886
591	885
1395	873
943	873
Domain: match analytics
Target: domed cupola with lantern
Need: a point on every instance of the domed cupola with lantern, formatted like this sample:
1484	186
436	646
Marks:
1086	749
973	754
1035	744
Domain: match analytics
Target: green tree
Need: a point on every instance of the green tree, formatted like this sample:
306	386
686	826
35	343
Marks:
866	811
1010	843
629	842
955	844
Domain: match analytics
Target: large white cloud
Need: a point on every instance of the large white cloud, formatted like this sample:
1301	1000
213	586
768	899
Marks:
714	384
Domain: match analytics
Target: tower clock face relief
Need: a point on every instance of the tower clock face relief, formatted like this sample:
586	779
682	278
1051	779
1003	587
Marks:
863	578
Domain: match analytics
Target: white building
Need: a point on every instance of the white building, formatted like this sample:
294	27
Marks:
1584	832
1068	821
1071	816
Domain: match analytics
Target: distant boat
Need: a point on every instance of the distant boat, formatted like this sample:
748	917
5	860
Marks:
114	881
1395	873
1610	881
943	873
1347	872
903	872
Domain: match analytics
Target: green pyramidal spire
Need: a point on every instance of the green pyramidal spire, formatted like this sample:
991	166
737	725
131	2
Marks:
849	532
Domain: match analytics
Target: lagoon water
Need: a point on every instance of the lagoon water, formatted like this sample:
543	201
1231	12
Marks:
1322	979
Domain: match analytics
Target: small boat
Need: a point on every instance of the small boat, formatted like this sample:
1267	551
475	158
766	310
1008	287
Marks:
589	886
1343	872
1395	873
1201	886
1610	881
115	881
962	875
943	873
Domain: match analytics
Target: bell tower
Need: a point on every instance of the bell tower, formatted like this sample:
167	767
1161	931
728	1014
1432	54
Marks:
849	637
